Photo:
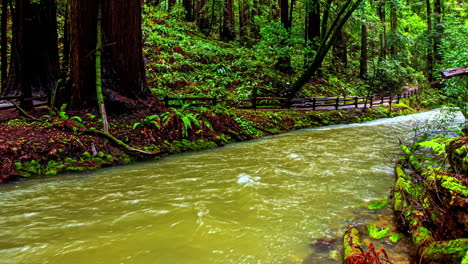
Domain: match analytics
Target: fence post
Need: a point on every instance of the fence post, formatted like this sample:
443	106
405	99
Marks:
337	102
254	102
383	97
313	103
214	101
398	99
371	99
166	101
356	102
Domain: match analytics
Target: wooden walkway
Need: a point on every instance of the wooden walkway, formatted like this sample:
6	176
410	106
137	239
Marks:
298	104
254	103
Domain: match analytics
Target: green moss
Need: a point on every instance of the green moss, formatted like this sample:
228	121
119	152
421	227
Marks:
465	258
378	204
395	237
28	168
455	248
377	233
397	201
351	242
421	235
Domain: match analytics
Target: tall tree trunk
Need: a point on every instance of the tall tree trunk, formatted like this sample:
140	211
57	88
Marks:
312	28
364	56
383	34
430	55
122	59
66	36
188	6
439	31
340	52
4	43
284	61
83	19
200	16
394	28
124	47
227	33
34	64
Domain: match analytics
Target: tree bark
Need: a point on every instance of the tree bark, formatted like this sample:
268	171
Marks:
439	31
83	19
430	55
4	42
364	56
188	5
123	73
227	33
383	35
340	53
200	16
312	28
34	64
394	28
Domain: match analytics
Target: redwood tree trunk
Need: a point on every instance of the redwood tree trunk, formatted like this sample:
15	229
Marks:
383	35
340	52
364	56
123	70
188	5
227	33
124	48
34	64
439	31
430	55
3	41
394	28
83	18
200	16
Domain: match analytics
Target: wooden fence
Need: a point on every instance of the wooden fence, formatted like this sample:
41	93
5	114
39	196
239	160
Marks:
7	101
307	103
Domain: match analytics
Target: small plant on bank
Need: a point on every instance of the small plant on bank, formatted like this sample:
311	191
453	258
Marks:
149	121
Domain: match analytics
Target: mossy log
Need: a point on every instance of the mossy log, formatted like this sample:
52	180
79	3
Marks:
352	244
454	249
414	199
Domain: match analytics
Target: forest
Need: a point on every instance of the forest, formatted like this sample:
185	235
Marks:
90	84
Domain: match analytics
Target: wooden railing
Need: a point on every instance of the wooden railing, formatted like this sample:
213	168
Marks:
6	102
307	103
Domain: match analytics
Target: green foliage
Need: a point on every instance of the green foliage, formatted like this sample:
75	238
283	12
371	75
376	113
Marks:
395	237
378	204
392	75
188	119
149	121
248	127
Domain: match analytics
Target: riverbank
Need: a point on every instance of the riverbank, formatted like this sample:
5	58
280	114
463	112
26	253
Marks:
48	146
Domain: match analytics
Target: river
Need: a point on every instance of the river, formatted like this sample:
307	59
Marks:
262	201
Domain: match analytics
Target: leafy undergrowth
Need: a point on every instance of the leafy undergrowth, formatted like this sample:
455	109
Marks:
182	61
64	143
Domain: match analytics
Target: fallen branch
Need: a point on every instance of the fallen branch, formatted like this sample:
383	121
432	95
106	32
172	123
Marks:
120	143
23	112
